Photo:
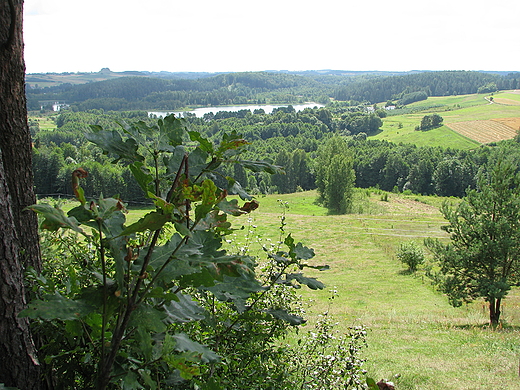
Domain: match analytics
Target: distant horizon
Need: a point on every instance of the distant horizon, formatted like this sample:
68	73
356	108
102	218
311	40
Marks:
281	71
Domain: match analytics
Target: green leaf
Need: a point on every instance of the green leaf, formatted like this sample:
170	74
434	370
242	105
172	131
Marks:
55	218
261	166
184	310
231	145
173	162
113	222
74	328
185	344
289	241
283	315
56	307
148	318
174	129
130	381
202	210
80	194
184	263
111	142
205	145
142	176
211	384
215	220
150	222
318	267
302	252
181	364
236	289
139	131
372	385
230	207
119	252
279	257
182	229
81	213
198	161
197	279
207	243
145	343
147	379
312	283
234	187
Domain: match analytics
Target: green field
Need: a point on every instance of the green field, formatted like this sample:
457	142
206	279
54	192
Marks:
401	128
413	331
46	123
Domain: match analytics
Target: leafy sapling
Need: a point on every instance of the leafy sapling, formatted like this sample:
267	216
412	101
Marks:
411	254
123	325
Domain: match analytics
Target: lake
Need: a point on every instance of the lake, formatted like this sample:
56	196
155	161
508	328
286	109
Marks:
268	108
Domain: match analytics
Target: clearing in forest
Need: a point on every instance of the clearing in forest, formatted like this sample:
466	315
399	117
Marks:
486	131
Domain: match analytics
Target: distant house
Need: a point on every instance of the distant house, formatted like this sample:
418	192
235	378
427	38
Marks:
55	106
390	108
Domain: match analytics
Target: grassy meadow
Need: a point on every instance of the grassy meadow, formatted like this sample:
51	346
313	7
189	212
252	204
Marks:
415	338
453	109
414	333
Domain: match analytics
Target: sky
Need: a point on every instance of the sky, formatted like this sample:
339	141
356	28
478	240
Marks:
244	35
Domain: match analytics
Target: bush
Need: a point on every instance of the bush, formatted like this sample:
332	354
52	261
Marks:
431	122
411	254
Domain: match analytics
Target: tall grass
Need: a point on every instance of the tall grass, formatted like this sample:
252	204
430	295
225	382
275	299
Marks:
413	332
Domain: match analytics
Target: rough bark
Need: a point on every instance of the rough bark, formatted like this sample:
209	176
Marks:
15	138
18	229
19	366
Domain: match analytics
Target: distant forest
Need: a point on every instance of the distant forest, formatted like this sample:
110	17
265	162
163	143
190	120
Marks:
156	93
286	137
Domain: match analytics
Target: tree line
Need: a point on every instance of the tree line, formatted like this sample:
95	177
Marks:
149	93
443	83
287	138
136	93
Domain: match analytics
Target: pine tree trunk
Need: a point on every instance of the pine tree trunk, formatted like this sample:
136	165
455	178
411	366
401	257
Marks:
494	311
19	246
19	366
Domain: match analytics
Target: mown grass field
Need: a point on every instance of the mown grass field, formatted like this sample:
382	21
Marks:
413	332
464	112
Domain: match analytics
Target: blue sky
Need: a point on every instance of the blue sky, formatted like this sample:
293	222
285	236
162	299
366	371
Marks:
242	35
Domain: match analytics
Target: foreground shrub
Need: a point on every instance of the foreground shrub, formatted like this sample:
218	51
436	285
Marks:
159	303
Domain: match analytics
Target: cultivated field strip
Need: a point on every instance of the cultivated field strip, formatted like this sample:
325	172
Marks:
483	131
